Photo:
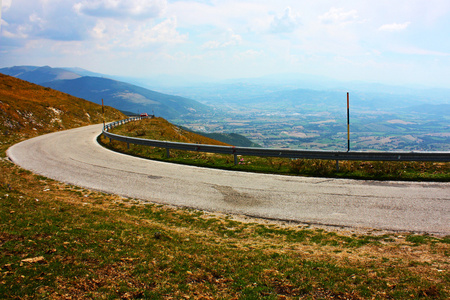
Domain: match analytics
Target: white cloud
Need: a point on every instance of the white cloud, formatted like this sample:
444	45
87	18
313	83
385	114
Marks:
19	33
138	9
71	48
251	54
221	14
38	21
419	51
339	15
394	27
228	39
110	34
99	31
49	19
6	4
286	23
162	33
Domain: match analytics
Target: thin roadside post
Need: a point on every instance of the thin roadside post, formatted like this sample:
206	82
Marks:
348	122
103	114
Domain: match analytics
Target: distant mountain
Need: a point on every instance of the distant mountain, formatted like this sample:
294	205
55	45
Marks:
118	94
83	72
39	75
128	97
17	71
309	100
296	91
292	98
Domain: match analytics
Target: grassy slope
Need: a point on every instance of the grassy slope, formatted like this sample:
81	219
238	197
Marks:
160	129
27	109
63	242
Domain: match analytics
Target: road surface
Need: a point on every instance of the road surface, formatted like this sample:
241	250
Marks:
75	157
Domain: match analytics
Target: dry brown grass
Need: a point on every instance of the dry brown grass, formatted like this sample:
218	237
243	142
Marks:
27	108
161	129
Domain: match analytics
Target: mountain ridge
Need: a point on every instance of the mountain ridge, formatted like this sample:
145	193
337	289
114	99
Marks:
125	96
121	95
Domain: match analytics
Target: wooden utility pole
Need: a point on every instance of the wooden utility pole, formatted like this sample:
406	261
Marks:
348	122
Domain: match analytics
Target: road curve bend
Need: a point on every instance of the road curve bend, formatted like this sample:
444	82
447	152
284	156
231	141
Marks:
75	157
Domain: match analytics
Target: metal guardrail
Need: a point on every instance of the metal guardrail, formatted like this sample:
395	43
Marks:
286	153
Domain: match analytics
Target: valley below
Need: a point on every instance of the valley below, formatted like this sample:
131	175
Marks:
369	131
317	120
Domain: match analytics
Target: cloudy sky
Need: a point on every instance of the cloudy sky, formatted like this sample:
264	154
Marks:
388	41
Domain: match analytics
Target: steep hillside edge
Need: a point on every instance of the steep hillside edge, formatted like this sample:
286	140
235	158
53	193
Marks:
29	109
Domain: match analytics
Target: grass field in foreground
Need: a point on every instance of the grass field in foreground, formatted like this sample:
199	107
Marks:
64	242
160	129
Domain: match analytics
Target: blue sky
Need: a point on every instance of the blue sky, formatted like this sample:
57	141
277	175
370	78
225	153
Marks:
387	41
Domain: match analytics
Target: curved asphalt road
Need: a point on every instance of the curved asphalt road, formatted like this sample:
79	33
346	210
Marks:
74	157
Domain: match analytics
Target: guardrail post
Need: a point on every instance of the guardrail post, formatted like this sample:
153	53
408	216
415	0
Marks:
235	156
337	165
128	145
168	152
